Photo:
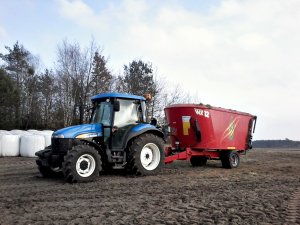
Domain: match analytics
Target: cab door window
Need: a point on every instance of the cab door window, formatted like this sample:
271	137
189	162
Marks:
124	120
128	113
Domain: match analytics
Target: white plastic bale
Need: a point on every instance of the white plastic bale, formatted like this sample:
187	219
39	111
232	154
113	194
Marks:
32	130
4	132
10	144
16	131
47	135
48	131
19	132
1	143
30	144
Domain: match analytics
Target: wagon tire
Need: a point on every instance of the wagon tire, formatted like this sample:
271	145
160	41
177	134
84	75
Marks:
198	161
146	155
230	159
81	164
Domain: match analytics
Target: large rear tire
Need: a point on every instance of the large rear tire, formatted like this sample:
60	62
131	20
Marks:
81	164
230	159
146	155
198	161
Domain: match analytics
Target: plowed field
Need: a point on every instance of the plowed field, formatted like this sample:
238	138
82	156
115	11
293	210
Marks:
265	189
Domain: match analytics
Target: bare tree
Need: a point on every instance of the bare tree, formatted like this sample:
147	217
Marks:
47	88
80	74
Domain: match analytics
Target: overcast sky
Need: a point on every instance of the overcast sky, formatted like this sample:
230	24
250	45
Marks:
239	54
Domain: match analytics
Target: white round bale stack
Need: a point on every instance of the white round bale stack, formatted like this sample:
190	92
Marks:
10	144
19	132
1	134
48	136
32	131
4	132
30	144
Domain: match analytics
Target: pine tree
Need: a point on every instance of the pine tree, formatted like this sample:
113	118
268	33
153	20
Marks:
101	76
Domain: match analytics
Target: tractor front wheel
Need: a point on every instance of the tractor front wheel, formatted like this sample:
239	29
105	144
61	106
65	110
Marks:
146	155
81	164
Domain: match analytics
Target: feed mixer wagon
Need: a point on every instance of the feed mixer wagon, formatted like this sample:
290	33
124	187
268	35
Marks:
201	132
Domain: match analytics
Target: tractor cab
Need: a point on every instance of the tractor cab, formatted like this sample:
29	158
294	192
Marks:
118	114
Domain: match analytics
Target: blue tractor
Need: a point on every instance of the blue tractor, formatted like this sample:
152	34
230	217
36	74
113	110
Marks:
118	136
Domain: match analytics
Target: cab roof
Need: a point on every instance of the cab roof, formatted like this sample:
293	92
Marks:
117	95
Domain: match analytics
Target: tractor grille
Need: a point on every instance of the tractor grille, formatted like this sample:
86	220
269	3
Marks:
62	145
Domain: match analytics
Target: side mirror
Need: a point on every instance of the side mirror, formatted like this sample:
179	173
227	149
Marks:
116	106
153	122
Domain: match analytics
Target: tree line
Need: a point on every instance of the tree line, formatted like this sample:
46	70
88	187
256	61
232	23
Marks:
51	98
276	144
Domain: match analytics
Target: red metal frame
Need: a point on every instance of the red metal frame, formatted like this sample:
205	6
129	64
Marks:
188	153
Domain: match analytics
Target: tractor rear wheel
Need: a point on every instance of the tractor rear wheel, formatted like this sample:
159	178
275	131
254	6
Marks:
146	155
198	161
81	164
230	159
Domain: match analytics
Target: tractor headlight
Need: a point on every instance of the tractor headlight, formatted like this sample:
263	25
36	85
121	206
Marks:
88	135
58	136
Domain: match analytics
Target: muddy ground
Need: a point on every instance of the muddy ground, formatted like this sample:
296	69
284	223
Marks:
265	189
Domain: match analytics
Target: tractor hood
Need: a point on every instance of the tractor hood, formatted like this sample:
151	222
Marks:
79	131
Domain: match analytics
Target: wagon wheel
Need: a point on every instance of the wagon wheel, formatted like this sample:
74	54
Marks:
230	159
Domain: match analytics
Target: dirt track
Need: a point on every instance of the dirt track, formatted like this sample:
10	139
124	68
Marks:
265	189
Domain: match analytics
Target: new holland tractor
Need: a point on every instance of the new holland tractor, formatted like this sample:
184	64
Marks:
118	136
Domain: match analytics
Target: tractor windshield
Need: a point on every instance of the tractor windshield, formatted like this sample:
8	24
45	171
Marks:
102	113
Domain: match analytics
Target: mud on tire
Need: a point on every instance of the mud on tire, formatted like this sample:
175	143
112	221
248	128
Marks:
81	164
146	155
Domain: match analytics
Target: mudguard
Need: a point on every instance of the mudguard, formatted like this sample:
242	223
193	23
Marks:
140	129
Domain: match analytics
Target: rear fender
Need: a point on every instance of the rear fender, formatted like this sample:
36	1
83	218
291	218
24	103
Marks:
141	129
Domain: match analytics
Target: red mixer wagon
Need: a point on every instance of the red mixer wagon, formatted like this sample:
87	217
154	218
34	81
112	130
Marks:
201	132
